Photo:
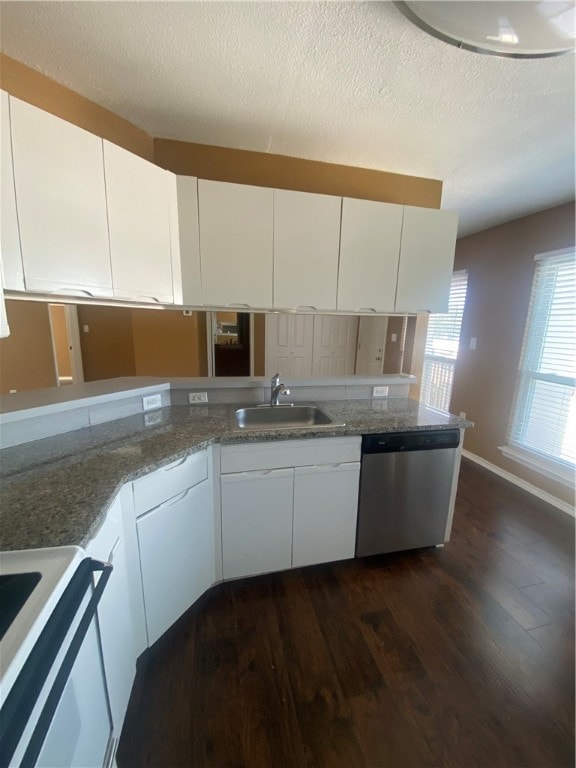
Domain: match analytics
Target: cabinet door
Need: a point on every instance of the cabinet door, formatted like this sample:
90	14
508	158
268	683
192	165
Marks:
139	199
61	200
176	543
115	615
306	245
325	513
9	235
256	522
236	244
426	260
189	240
369	254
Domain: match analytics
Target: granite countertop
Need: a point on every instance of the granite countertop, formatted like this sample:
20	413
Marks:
56	491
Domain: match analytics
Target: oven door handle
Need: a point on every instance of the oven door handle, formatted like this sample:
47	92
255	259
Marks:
20	702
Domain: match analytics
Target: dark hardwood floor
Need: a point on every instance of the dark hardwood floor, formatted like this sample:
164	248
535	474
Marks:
462	656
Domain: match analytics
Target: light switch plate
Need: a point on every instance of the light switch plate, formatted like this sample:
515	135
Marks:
151	401
197	397
379	391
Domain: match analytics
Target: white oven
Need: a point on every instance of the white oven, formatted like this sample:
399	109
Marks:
54	702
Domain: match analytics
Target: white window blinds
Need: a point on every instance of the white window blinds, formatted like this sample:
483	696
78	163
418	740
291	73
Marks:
444	330
544	413
441	349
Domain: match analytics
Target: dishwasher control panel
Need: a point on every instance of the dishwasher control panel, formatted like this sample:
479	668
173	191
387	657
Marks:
411	441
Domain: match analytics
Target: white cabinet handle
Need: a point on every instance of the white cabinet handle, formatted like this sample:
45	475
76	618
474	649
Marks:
239	305
345	466
304	307
176	464
139	297
365	309
165	504
255	474
114	549
69	292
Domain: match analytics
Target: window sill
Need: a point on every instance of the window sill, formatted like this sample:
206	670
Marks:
554	470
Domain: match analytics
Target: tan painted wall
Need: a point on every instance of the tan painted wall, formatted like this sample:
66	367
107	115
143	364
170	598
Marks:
26	356
500	264
108	346
266	170
141	342
61	343
37	89
168	343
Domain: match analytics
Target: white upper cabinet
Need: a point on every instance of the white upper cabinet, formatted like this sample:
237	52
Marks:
61	201
140	196
236	244
369	254
9	234
426	259
306	245
184	223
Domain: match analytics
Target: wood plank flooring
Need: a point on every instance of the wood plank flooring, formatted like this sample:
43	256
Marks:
462	656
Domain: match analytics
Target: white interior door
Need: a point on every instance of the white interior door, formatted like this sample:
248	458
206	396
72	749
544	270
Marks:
371	345
289	340
334	348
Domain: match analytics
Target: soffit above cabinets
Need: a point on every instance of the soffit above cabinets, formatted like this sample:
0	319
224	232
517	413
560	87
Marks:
343	82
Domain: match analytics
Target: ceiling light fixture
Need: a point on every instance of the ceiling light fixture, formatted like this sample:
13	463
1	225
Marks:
519	30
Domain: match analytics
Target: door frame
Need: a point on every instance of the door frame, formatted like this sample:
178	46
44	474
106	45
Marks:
74	346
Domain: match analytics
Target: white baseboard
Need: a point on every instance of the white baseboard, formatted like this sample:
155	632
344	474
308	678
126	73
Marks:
534	490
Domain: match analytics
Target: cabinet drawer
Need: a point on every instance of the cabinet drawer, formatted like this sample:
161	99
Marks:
289	453
159	486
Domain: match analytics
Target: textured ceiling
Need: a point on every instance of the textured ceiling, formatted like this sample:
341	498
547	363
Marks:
344	82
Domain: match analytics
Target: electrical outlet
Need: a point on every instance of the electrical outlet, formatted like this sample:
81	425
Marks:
473	343
379	391
151	401
197	397
394	337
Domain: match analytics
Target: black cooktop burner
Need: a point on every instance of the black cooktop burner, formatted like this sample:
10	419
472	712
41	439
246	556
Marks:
15	589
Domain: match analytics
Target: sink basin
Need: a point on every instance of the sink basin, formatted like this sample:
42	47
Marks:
284	417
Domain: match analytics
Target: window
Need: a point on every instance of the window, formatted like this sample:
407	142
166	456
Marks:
542	432
442	343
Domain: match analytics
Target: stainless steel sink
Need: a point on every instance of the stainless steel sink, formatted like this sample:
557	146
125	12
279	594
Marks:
284	417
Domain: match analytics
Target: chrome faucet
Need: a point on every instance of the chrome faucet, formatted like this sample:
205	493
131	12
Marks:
277	389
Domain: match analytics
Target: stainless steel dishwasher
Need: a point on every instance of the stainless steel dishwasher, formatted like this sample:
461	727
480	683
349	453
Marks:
405	489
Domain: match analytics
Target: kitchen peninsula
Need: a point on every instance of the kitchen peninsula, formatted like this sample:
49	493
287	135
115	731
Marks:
178	497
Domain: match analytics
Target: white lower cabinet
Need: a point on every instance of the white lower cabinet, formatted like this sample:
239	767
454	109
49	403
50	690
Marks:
176	542
114	615
325	513
288	504
256	522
